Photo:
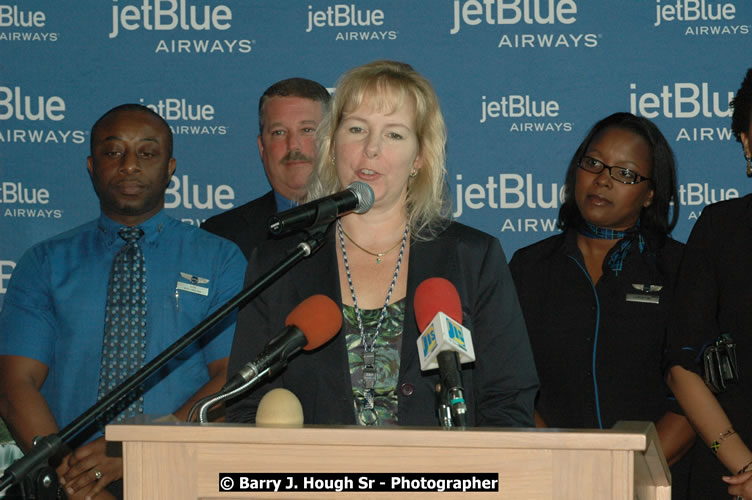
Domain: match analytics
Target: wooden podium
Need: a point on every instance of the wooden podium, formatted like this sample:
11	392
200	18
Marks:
183	461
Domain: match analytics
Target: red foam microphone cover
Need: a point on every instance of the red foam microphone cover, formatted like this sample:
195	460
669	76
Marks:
318	317
436	295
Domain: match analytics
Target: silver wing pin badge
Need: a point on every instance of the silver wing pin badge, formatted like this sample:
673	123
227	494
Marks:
196	280
647	288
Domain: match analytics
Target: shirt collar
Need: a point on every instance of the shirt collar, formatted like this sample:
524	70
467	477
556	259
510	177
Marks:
152	228
283	203
570	249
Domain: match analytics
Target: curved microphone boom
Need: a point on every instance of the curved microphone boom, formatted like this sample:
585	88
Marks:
444	343
358	198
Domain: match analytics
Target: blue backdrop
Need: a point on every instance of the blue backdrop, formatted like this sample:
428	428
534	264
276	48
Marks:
520	83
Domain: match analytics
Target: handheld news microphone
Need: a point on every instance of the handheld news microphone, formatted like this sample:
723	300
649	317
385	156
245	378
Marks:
311	324
358	198
444	343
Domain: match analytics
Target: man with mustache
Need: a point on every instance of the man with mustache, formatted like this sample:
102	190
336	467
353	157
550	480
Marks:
114	291
289	113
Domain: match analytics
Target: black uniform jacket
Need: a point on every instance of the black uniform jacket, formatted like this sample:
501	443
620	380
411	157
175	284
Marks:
599	349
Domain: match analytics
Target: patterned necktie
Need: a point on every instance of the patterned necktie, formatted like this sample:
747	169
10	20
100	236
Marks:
124	346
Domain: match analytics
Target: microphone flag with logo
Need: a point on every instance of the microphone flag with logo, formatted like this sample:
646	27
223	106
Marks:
438	312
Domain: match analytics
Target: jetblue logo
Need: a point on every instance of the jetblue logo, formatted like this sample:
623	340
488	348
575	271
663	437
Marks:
174	109
15	192
17	105
474	12
517	106
700	17
12	17
340	16
508	191
180	109
181	192
352	23
681	100
24	25
155	15
693	10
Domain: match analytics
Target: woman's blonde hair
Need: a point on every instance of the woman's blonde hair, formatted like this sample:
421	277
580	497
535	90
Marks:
388	85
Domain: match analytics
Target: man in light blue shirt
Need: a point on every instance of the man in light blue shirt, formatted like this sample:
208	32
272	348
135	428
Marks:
52	321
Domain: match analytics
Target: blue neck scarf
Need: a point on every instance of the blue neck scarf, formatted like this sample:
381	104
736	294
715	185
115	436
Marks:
616	260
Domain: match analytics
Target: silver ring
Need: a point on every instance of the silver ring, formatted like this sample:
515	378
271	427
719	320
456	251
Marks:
97	474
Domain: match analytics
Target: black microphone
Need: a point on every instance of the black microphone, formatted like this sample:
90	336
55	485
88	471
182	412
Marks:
311	324
453	391
358	198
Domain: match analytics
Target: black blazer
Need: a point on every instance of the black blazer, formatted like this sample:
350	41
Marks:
245	225
500	385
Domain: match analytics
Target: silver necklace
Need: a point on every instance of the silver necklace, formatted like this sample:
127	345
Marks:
368	413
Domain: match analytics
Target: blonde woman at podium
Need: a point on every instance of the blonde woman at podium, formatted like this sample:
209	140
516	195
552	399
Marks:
385	129
711	333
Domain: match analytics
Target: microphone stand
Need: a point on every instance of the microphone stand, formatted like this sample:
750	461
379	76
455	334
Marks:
452	391
46	447
443	410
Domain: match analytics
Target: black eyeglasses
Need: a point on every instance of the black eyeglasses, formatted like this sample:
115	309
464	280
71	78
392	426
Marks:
621	174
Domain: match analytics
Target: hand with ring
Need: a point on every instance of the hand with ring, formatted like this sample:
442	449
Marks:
88	470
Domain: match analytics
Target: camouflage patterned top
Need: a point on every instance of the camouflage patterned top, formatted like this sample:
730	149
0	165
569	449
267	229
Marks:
387	347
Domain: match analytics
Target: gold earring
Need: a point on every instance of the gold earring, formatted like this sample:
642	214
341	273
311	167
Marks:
749	165
413	172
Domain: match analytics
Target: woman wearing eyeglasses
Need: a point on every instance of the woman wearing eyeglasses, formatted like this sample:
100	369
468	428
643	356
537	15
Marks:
595	297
